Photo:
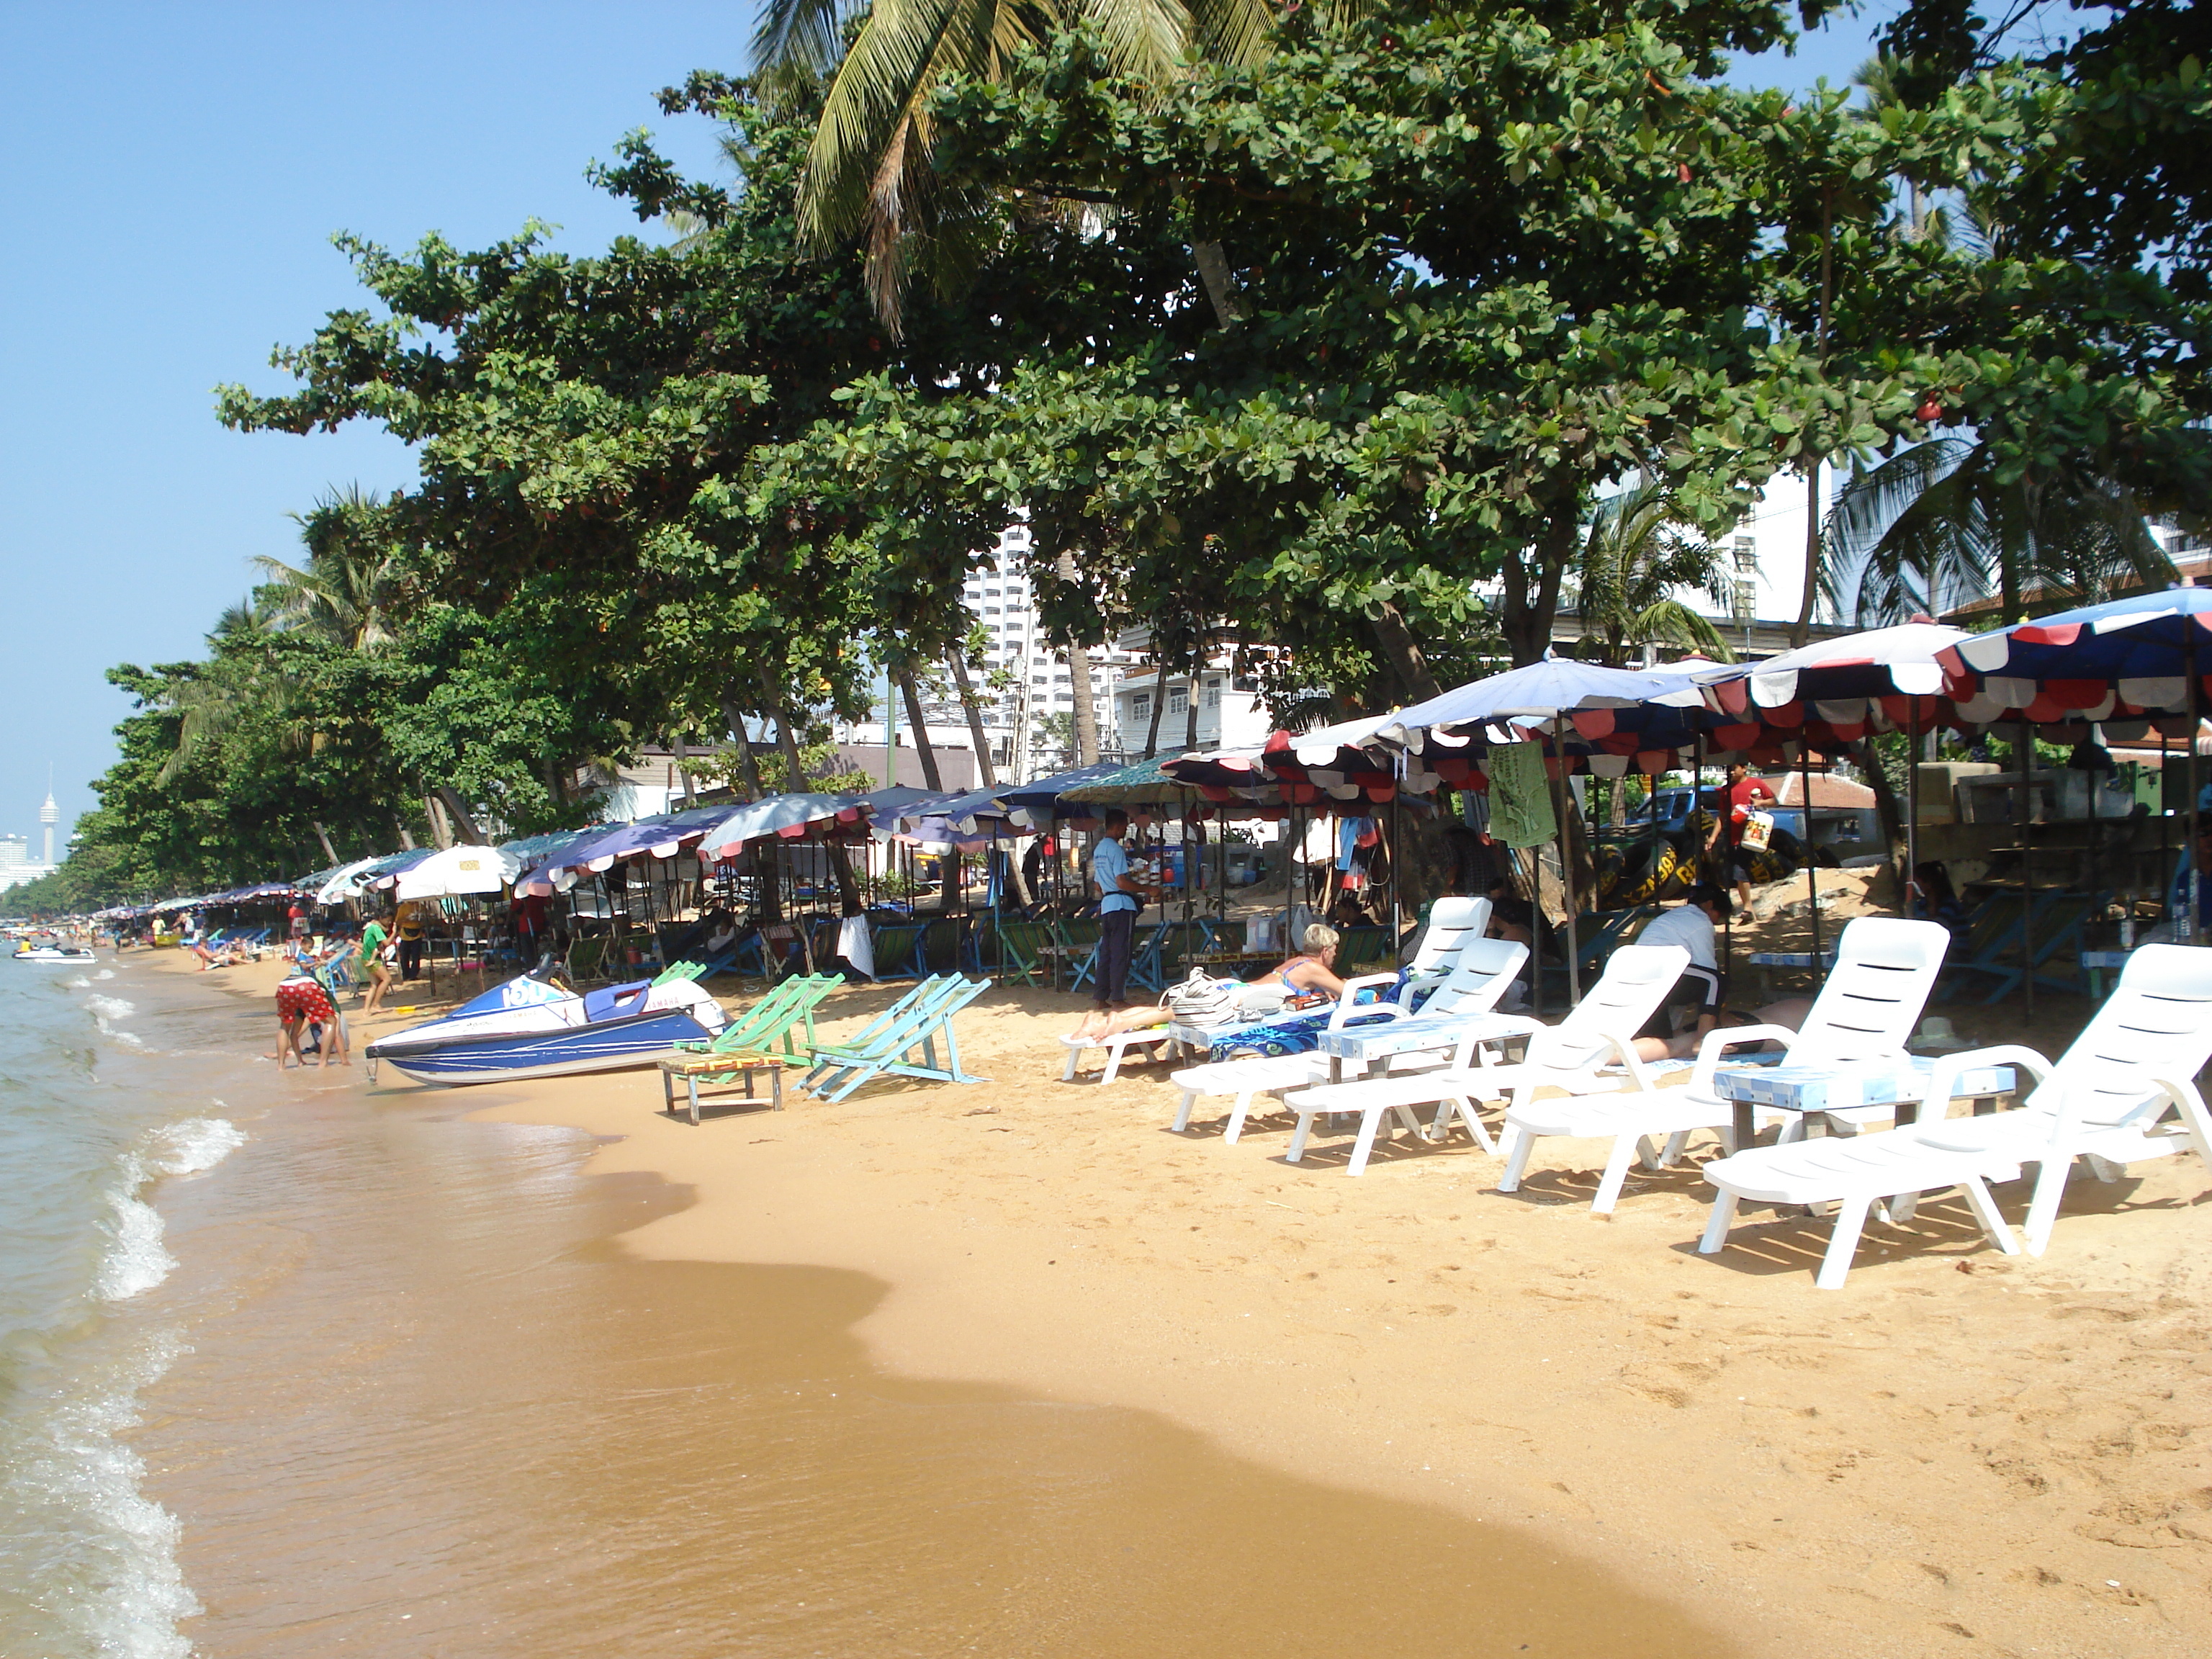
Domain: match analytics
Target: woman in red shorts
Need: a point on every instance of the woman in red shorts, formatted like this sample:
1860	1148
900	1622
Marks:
301	1002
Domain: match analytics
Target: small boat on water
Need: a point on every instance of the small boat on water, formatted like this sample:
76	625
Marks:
530	1028
52	953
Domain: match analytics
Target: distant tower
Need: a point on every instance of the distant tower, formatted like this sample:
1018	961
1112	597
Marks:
49	816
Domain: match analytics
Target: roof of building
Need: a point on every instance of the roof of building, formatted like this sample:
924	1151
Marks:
1826	790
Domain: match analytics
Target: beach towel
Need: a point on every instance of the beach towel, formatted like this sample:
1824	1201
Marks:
1520	796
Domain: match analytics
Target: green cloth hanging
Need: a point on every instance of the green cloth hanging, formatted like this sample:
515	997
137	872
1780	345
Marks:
1520	796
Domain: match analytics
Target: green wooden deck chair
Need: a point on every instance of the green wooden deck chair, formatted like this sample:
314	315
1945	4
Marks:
898	947
586	954
773	1020
1021	950
1362	950
676	970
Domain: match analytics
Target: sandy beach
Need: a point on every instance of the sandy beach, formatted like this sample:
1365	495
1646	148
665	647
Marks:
1958	1452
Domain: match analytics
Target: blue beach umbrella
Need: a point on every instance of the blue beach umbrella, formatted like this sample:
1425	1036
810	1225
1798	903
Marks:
2125	660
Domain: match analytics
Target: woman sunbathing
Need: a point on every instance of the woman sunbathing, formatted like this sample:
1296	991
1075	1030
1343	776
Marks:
1303	981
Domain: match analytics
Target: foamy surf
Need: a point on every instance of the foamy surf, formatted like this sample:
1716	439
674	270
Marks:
138	1594
105	973
136	1258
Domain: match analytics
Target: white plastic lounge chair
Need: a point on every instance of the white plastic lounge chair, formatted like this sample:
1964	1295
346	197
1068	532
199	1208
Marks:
1252	1075
2103	1100
1453	924
1869	1006
1115	1046
1468	994
1601	1028
2137	1057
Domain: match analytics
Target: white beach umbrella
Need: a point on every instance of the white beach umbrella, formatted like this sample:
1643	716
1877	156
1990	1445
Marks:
459	870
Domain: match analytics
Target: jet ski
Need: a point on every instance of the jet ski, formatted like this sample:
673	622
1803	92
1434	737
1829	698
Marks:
530	1027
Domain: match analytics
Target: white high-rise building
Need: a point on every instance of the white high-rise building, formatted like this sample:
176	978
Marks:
1030	720
49	816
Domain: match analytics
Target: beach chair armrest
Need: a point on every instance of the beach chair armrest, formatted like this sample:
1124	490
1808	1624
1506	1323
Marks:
1732	1036
1943	1080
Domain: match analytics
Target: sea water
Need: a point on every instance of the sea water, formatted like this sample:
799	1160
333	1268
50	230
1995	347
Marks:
88	1564
297	1367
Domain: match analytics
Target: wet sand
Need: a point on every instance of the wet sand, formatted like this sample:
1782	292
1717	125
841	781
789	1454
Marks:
432	1408
1958	1453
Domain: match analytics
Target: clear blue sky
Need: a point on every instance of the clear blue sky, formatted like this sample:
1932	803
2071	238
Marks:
174	174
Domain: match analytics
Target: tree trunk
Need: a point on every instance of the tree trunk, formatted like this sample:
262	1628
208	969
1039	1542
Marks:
1220	284
464	826
736	719
329	852
1885	807
1079	676
1529	611
787	739
987	774
682	767
1403	653
931	777
1190	703
442	833
848	885
1802	633
1160	706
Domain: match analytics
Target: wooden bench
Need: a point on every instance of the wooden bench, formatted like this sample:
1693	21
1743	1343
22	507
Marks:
712	1068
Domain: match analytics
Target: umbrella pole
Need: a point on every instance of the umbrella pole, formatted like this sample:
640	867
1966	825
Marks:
1291	877
1397	856
1567	872
1537	921
1812	864
2189	902
2026	746
1912	817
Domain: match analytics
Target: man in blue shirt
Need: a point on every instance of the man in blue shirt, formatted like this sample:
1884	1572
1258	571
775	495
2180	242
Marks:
1120	897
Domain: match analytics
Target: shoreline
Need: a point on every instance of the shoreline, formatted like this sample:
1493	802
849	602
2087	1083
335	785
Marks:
1958	1444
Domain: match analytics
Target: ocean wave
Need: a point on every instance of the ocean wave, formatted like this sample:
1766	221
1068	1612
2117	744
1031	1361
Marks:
105	973
104	1009
80	984
137	1258
131	1605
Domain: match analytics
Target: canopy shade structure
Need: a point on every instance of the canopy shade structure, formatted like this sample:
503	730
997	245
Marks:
460	872
1541	691
791	817
1141	787
1040	797
967	822
2127	661
597	849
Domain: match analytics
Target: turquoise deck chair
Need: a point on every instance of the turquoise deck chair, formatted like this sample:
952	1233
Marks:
903	1041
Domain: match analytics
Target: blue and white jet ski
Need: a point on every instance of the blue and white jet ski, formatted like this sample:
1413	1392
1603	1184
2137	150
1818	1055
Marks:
529	1028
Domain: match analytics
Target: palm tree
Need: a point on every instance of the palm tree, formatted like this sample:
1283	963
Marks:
1936	528
868	173
1635	559
344	594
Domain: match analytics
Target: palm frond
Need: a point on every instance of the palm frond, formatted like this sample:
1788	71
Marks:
802	34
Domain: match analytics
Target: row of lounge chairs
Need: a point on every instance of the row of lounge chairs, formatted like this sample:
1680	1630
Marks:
2106	1100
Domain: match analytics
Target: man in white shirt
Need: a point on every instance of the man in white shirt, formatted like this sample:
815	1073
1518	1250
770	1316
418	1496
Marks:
1122	896
1691	926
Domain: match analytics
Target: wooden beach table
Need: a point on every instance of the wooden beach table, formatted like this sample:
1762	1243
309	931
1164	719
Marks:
718	1068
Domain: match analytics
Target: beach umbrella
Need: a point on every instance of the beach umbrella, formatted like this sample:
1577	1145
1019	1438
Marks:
2129	659
1539	692
790	817
2131	665
458	871
1040	797
341	884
